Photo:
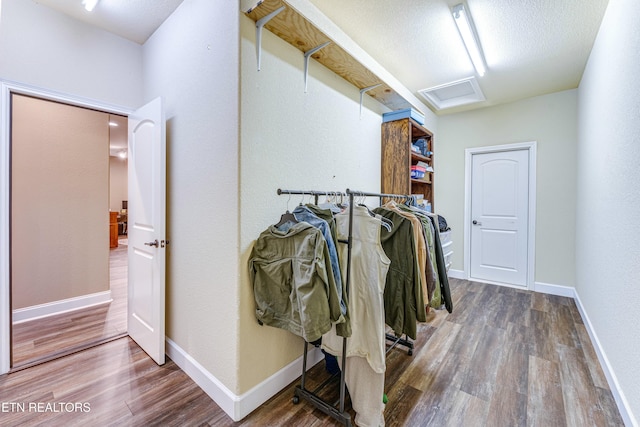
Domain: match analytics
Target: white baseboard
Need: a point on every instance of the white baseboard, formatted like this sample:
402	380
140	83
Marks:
238	407
612	380
456	274
545	288
548	288
58	307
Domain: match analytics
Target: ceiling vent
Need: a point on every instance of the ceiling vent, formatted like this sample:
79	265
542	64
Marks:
454	94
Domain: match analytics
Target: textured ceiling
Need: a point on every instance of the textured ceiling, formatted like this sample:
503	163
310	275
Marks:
532	47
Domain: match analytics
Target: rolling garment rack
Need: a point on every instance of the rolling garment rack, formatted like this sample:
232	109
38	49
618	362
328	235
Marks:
337	410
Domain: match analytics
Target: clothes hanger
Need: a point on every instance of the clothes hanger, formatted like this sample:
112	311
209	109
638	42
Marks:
385	222
287	216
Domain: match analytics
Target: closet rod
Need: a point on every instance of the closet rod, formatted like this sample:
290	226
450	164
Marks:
311	192
366	194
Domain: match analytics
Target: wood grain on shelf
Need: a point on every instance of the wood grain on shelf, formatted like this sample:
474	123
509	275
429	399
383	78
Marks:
296	30
395	164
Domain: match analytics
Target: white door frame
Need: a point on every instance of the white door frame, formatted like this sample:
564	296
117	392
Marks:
531	226
6	89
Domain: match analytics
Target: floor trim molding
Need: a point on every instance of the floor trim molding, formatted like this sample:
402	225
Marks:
21	315
618	395
456	274
559	290
238	407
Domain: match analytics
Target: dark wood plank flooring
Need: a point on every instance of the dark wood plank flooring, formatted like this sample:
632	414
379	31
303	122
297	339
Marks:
504	357
50	337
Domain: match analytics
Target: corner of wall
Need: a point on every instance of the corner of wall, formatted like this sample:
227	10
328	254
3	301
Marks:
238	407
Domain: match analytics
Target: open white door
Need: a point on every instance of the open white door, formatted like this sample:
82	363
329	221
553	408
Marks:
146	229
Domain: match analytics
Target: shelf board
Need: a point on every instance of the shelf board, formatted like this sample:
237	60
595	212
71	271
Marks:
426	180
298	30
416	156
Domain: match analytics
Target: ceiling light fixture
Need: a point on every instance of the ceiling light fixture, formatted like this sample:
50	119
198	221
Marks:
469	37
89	5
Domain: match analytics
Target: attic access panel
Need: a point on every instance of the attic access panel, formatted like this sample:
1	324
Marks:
454	94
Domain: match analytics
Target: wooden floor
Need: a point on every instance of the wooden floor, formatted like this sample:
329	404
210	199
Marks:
54	336
505	357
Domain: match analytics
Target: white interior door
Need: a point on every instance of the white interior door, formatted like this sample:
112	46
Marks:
146	229
499	217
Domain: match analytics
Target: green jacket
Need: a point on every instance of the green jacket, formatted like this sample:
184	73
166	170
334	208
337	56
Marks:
293	285
403	290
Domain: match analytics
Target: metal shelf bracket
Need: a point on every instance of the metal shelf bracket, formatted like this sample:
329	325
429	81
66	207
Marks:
362	92
307	55
260	23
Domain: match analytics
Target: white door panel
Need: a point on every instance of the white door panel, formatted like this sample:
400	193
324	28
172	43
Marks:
504	240
146	229
499	213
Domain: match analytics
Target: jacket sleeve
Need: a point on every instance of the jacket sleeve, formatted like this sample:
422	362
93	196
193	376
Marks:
323	270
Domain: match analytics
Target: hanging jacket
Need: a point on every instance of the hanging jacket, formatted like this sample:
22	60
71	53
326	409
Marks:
433	282
442	268
304	213
294	288
403	288
420	245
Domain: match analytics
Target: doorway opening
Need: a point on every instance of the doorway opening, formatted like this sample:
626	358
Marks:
146	224
68	261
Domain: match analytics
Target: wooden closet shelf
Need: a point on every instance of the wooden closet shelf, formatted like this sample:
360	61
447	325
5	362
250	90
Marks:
300	32
415	156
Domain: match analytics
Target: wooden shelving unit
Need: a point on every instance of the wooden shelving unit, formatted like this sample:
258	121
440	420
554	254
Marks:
304	32
397	158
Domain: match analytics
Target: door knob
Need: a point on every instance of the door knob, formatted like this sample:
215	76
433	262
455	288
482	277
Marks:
474	222
154	243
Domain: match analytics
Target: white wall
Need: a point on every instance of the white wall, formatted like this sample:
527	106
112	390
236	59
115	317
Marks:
551	121
44	48
192	62
608	200
293	140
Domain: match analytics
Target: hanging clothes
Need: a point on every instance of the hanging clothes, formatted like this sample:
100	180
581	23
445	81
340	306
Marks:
442	267
304	213
365	358
294	287
442	294
420	246
403	288
433	282
326	214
